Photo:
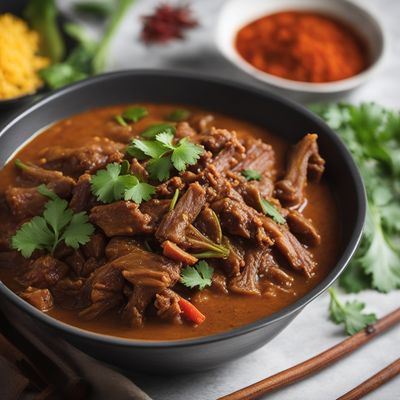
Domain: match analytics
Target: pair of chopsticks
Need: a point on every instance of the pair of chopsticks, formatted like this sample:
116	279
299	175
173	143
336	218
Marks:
323	360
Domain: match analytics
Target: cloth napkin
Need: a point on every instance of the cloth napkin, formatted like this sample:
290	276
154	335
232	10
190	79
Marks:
19	379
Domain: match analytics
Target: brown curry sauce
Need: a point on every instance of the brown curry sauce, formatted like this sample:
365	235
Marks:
223	312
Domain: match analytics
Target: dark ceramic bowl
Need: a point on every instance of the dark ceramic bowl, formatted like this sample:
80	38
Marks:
278	115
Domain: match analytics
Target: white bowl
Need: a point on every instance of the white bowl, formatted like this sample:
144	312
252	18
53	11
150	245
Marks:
237	13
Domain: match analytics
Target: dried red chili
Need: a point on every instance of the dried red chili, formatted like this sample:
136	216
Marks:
167	23
302	46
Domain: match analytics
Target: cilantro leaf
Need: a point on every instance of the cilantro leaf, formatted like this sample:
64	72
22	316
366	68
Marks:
159	168
78	231
57	223
270	210
349	313
33	235
134	114
251	174
152	131
178	115
186	153
199	275
139	192
372	134
150	148
116	183
166	138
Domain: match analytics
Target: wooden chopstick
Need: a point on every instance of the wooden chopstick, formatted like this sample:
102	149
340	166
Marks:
315	364
374	382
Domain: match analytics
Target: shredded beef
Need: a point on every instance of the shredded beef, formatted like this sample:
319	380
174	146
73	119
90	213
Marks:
42	299
120	218
82	197
120	246
303	227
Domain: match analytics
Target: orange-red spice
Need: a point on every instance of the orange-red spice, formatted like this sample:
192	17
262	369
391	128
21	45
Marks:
303	46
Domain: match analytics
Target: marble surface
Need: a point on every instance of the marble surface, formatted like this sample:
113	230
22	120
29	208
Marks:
311	332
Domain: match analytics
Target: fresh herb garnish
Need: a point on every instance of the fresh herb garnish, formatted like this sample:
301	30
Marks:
270	210
206	247
251	174
178	115
350	314
120	120
372	134
174	200
133	114
116	183
164	154
199	275
152	131
57	224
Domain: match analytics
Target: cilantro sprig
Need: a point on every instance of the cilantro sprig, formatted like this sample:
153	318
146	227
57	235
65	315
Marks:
199	275
372	134
116	183
133	114
350	314
251	174
58	223
270	210
163	154
178	115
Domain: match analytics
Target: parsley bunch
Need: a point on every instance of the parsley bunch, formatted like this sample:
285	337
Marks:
163	154
57	224
372	134
350	314
116	183
199	275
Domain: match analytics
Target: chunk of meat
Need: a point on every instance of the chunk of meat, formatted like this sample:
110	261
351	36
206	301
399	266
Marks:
140	298
219	284
142	268
103	290
183	129
287	244
95	247
120	218
44	272
25	202
68	293
120	246
208	224
303	227
156	209
201	122
62	185
76	262
168	188
89	158
237	218
235	260
42	299
247	281
176	221
139	170
279	277
82	197
167	305
304	160
216	139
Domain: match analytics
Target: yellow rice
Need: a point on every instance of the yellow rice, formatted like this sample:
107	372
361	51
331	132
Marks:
19	59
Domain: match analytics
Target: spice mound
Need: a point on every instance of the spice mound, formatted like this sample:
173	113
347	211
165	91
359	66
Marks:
19	59
303	46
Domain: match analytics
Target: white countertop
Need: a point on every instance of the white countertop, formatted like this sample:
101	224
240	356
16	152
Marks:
311	332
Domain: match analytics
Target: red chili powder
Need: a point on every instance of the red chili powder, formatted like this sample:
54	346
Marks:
303	46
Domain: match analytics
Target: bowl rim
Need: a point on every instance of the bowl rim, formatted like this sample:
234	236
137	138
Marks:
292	309
302	86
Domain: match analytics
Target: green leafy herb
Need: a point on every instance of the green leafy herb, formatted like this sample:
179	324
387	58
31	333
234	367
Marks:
134	114
350	314
174	199
372	134
164	154
199	275
152	131
88	57
178	115
251	174
115	183
96	9
120	120
270	210
57	224
42	17
206	248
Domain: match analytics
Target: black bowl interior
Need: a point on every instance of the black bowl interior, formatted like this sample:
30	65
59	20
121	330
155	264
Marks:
278	115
